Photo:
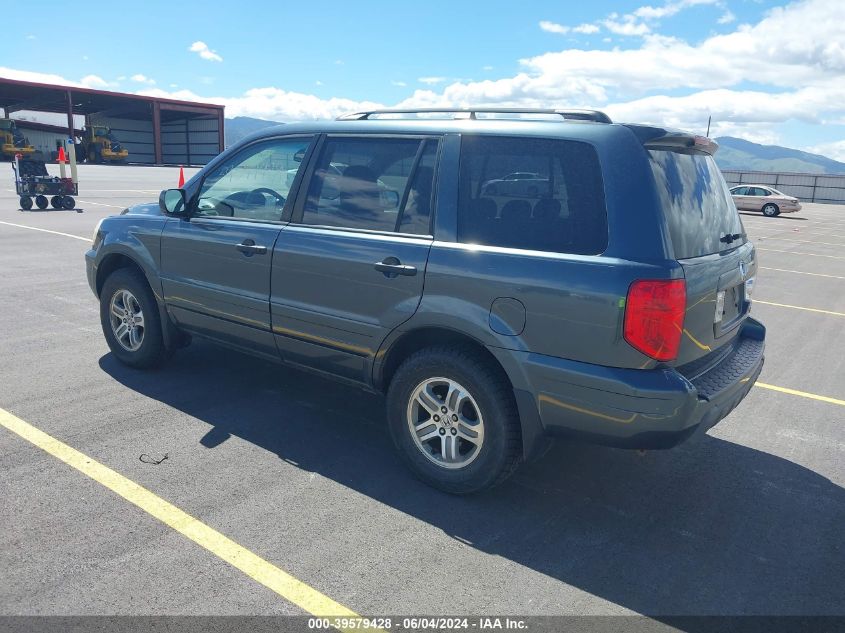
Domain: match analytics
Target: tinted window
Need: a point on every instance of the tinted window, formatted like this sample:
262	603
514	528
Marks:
376	184
740	191
697	203
538	194
253	184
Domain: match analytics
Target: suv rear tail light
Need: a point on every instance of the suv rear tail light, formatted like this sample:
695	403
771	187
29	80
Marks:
654	317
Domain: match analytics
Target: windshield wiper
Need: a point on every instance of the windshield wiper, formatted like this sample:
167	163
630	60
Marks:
730	237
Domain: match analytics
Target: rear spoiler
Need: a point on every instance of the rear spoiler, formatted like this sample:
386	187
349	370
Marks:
673	140
682	141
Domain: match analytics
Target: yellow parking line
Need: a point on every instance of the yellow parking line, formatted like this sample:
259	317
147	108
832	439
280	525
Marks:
35	228
803	394
775	250
801	272
786	305
251	564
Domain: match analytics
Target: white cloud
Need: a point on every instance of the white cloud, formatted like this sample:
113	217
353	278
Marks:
30	37
142	79
487	68
628	25
553	27
400	84
586	29
834	150
727	17
274	104
202	49
318	83
95	81
42	78
670	8
431	80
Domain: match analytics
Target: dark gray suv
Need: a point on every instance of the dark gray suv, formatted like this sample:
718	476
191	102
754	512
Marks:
609	300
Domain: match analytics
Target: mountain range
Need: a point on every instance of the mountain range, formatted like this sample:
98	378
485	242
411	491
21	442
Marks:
734	153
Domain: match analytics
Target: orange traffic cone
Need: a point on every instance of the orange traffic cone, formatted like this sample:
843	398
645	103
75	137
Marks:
181	178
62	158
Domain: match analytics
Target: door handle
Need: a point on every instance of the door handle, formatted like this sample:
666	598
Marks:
249	247
391	266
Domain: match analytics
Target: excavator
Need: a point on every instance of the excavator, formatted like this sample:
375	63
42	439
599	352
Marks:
13	141
100	145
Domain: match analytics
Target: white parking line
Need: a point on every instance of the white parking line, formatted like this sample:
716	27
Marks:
104	204
35	228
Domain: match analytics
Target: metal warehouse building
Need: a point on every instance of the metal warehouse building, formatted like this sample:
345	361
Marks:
155	131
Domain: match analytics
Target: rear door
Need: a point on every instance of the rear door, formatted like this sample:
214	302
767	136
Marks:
350	267
216	264
710	243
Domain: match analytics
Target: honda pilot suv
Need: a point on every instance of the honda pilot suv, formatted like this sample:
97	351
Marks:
609	301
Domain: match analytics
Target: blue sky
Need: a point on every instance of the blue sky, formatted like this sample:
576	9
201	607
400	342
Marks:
767	71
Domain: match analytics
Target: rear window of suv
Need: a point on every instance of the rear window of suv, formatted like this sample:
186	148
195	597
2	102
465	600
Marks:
531	193
697	204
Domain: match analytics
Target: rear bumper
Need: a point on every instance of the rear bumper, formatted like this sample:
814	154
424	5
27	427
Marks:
644	408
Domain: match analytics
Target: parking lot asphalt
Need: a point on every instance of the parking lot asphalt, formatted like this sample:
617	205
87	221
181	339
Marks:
301	471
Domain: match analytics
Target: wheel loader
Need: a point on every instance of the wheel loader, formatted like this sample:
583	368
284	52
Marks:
101	146
13	140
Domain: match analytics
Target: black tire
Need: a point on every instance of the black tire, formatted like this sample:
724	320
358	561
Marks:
56	202
41	202
26	203
68	203
500	452
771	210
151	352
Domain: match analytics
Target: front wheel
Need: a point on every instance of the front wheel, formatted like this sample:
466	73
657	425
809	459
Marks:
130	320
453	418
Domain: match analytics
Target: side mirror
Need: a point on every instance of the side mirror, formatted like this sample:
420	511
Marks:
172	202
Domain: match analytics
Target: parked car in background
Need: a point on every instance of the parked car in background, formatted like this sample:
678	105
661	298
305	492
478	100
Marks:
521	183
762	198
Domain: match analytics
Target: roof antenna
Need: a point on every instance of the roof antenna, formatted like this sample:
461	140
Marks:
708	126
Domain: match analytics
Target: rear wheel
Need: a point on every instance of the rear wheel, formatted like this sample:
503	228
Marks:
771	210
453	418
26	203
130	320
56	202
41	202
68	202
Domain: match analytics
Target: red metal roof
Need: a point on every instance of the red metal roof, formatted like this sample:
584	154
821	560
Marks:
53	98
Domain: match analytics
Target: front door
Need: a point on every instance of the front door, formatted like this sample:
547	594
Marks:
216	263
350	267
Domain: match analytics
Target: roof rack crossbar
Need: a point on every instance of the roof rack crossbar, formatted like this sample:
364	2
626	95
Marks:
471	113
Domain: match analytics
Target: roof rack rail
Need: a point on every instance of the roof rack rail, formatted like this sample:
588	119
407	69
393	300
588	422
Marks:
472	113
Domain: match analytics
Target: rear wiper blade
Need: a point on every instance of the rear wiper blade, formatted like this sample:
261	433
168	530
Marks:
730	237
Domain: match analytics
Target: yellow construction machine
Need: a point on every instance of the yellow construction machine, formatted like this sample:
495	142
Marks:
13	140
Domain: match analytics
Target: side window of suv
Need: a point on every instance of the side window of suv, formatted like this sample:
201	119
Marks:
379	184
253	184
557	203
